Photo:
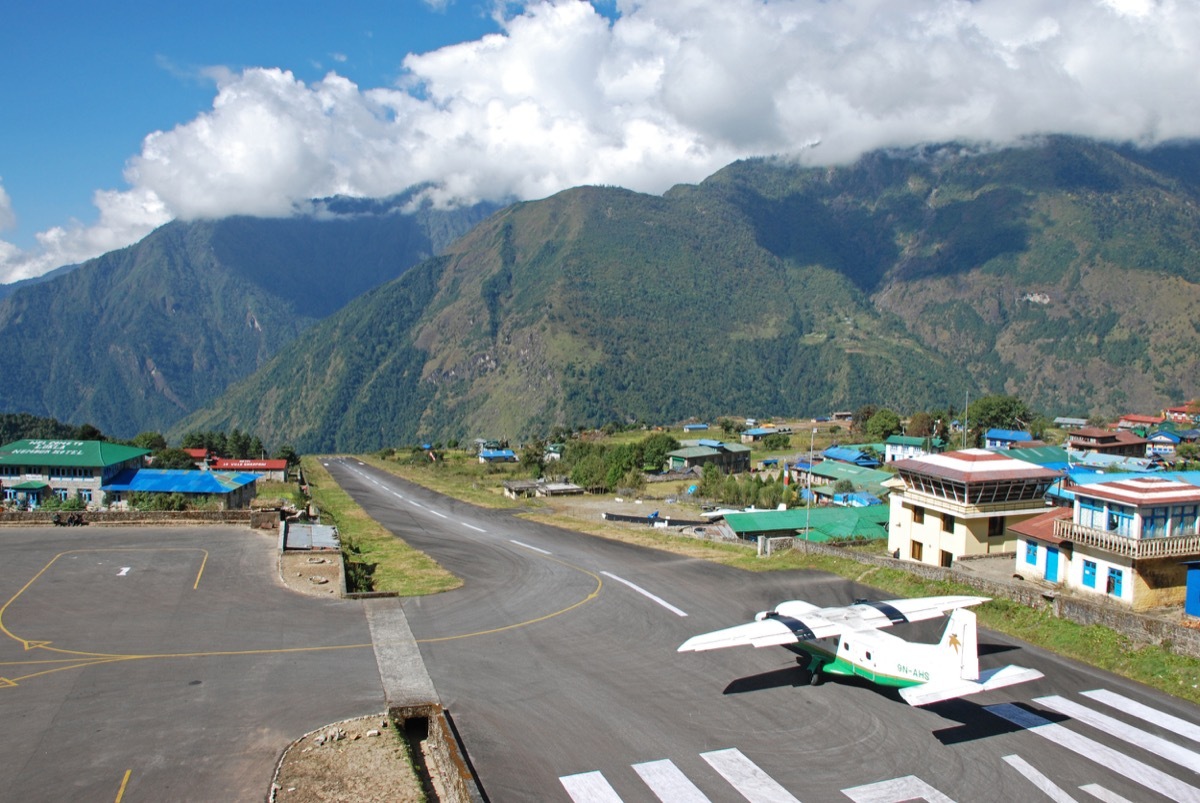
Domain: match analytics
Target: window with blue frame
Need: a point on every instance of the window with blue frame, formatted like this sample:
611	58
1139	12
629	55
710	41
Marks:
1154	522
1184	520
1031	553
1114	582
1120	520
1091	513
1089	573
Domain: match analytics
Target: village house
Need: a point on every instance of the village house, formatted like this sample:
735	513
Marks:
1107	441
902	447
1006	438
950	505
732	458
1186	414
1125	539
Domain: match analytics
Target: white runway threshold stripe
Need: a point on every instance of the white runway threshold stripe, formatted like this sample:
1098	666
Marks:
897	790
1116	728
1188	730
646	594
745	776
1100	793
1039	780
668	783
589	787
1115	761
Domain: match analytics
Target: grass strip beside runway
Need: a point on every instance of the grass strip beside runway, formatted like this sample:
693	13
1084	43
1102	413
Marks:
399	567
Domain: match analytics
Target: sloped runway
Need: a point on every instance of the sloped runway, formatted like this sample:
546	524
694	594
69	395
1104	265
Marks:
558	663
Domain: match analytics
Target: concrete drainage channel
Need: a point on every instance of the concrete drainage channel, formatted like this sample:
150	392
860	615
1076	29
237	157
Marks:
431	736
415	708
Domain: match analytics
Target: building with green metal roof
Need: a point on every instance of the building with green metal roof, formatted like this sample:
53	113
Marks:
30	469
819	524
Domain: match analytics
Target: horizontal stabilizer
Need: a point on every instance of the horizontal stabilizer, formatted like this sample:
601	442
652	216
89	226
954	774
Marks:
937	691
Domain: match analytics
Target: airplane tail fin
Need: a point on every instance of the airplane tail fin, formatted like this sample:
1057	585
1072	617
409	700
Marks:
959	646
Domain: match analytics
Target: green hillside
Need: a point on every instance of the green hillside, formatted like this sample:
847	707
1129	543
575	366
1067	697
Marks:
138	338
1066	272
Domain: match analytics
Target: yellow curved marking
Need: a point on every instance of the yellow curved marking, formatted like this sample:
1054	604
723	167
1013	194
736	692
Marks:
595	593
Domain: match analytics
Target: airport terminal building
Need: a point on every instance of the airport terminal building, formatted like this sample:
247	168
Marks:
31	470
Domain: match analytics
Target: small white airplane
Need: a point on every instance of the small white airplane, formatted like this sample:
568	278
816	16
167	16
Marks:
848	641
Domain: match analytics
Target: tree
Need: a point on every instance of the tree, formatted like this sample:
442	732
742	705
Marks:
882	424
727	425
87	432
843	486
173	458
533	458
150	441
288	453
999	412
655	448
777	441
920	425
861	416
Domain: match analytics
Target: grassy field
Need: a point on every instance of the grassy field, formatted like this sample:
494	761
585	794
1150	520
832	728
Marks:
1155	666
399	567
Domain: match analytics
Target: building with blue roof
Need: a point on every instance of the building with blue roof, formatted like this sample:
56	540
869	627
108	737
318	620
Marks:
497	456
847	454
1006	438
231	490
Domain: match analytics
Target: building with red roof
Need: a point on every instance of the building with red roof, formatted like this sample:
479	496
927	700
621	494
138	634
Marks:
267	469
946	506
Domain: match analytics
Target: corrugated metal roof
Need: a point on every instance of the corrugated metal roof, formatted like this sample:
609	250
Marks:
311	536
827	523
169	480
90	454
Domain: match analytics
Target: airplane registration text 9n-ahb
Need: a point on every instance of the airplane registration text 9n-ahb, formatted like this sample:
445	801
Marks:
848	641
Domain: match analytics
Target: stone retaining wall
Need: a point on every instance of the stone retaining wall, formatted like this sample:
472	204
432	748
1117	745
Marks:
1140	628
131	518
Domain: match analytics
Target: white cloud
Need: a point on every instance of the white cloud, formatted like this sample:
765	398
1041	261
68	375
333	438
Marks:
8	218
669	92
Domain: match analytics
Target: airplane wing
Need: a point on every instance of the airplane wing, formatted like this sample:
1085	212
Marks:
796	621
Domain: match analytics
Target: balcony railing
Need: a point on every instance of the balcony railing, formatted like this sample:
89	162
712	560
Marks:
1173	546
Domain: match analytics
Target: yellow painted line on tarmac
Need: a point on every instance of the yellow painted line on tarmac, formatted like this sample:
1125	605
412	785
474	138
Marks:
124	782
203	563
595	593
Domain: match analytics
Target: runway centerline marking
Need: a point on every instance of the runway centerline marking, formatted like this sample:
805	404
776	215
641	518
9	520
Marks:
527	546
473	527
647	594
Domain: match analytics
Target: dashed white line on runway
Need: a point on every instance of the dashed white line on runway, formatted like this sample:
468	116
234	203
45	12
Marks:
647	594
535	549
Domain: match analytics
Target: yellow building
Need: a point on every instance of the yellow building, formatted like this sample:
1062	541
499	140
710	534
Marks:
946	506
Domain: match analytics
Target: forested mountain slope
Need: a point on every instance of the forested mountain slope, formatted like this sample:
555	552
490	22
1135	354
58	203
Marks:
137	338
1066	272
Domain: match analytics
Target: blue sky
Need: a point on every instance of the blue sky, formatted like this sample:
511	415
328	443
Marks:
87	81
119	117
